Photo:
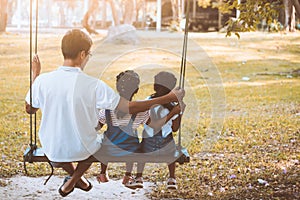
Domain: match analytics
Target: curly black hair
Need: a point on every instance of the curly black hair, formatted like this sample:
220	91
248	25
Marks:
128	84
164	82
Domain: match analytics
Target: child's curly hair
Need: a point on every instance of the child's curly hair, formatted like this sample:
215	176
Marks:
128	84
164	82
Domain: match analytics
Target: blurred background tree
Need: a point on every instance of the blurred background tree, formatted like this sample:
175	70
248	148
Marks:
3	15
246	15
252	13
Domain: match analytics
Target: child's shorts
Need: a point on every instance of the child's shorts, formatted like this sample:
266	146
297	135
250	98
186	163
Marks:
158	145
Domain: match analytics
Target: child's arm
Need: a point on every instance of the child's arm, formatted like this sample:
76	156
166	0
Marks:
99	126
176	123
133	107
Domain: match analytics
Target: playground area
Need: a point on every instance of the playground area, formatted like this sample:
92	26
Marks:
241	125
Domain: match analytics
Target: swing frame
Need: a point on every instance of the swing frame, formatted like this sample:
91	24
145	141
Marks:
34	154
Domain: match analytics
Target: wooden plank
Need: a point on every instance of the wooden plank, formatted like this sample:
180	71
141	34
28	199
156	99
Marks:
179	156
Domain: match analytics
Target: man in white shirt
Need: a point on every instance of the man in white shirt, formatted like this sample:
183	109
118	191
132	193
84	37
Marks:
69	100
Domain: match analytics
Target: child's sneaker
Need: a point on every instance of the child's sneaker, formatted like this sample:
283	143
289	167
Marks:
127	181
102	178
171	184
138	183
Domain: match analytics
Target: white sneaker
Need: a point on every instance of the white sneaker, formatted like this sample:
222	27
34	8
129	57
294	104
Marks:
171	184
138	183
128	182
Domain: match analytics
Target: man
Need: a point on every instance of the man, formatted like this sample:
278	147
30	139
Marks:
69	99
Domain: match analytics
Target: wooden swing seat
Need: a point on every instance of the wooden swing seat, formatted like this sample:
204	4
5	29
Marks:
35	154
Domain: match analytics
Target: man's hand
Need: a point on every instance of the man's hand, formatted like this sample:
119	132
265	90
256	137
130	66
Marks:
36	67
177	94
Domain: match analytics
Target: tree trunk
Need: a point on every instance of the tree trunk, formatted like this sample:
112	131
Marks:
128	12
289	22
62	14
104	14
296	4
93	6
3	15
288	10
174	9
114	12
139	6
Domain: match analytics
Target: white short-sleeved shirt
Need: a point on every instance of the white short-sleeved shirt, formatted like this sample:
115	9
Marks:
141	118
69	100
160	112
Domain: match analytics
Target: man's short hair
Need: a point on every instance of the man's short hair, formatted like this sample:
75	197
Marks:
74	42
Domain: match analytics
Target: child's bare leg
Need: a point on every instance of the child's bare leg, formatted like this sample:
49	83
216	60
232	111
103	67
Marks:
171	183
172	170
103	168
140	169
127	179
68	167
102	178
129	167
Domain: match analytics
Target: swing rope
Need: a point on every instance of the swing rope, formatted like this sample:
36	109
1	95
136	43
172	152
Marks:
32	121
183	62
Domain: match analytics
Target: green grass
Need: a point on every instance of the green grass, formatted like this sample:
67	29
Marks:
260	136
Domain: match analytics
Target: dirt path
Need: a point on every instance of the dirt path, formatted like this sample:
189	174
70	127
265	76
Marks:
22	187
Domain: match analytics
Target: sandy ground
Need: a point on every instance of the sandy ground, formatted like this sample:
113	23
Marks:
23	187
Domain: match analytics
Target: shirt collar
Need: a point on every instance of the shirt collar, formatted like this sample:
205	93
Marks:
71	69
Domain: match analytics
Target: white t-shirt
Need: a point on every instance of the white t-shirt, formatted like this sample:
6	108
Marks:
166	128
69	100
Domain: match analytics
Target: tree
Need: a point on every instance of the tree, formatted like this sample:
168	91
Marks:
128	11
252	13
290	6
114	12
3	15
204	3
139	5
296	4
93	7
175	9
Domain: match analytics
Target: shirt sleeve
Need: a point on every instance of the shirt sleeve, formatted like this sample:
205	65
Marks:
159	112
35	94
106	97
101	116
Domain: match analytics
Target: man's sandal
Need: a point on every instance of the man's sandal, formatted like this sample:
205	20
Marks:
85	189
64	194
76	186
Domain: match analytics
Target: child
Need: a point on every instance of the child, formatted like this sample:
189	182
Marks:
120	138
116	141
160	141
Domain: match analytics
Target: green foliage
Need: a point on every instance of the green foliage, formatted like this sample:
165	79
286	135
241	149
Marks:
204	3
252	13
